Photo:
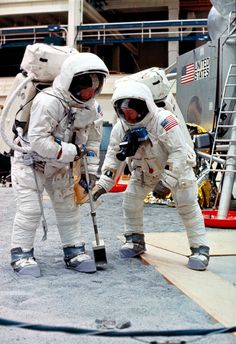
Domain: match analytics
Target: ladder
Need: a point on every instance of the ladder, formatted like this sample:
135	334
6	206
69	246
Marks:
224	144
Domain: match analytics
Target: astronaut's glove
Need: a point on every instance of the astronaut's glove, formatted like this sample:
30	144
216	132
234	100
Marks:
160	190
81	151
92	181
99	192
69	152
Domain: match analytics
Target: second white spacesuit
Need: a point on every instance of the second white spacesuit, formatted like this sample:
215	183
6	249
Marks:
151	141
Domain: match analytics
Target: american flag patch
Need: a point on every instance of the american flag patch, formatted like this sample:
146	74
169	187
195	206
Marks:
169	122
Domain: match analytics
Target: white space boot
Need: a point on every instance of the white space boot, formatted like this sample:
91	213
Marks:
24	263
199	258
77	259
134	246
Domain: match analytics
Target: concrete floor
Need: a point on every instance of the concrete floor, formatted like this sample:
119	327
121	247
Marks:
127	291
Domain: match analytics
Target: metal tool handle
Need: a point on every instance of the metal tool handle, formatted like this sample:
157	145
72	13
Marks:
44	222
93	213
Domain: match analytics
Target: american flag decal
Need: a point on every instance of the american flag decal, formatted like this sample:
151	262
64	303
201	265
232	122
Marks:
169	122
187	74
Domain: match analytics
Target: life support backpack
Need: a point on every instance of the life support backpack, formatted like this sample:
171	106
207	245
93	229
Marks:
40	65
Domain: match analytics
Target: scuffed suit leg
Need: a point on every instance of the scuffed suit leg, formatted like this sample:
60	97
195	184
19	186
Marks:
28	213
133	206
186	202
67	213
133	217
191	215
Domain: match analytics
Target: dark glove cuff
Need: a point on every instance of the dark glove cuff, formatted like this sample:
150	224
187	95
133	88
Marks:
81	151
100	191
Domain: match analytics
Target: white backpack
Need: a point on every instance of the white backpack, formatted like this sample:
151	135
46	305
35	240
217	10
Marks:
40	65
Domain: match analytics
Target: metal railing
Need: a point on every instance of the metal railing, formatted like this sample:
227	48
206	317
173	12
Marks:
140	32
106	33
22	36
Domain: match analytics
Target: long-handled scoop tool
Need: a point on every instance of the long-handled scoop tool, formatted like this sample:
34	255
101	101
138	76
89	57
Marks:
98	245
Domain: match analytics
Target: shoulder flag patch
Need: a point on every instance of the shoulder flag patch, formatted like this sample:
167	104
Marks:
169	122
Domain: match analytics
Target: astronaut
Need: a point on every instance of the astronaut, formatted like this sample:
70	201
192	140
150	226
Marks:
151	141
65	124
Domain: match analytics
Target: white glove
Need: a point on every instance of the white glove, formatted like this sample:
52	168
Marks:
70	152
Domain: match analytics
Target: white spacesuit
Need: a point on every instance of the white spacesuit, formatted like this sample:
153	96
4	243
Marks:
65	123
152	143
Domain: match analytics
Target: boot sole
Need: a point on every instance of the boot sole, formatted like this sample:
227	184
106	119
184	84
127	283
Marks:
195	264
129	253
86	267
29	271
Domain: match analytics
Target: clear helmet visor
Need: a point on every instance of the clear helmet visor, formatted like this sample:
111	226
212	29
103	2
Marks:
131	110
86	86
